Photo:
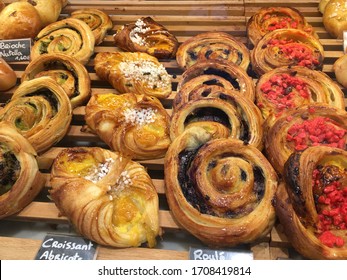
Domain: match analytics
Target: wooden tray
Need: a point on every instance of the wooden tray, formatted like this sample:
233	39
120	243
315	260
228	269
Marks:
184	19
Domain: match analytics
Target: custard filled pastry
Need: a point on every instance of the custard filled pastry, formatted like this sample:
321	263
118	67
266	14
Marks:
68	36
335	18
97	20
137	72
67	71
148	36
108	198
287	47
135	125
20	179
212	45
40	110
311	204
220	190
308	125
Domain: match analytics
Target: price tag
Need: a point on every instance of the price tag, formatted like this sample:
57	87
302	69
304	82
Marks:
209	254
15	50
66	247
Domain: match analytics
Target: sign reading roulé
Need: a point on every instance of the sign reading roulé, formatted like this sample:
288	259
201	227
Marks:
210	254
15	50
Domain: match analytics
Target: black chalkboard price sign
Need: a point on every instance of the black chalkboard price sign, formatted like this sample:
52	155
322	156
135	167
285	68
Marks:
66	247
15	50
221	255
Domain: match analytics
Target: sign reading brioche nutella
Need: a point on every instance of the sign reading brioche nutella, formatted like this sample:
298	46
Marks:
15	50
221	255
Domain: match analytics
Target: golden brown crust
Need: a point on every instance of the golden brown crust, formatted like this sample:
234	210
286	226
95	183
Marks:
334	18
340	70
322	5
8	77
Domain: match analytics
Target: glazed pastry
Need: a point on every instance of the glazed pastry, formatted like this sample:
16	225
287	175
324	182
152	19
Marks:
212	45
268	19
109	198
285	88
148	36
40	110
311	204
68	36
19	20
219	190
340	70
322	5
67	71
135	125
8	77
137	72
97	20
305	126
287	47
334	18
20	179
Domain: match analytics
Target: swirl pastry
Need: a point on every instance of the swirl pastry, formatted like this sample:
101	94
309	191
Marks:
335	18
285	88
40	110
268	19
68	36
312	203
219	190
67	71
148	36
20	179
305	126
97	20
137	72
287	47
136	126
212	45
107	197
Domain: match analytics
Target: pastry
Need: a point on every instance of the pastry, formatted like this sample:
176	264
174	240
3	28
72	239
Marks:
20	179
212	45
340	70
97	20
108	198
334	18
40	110
220	190
148	36
8	77
268	19
137	72
287	47
67	71
311	204
68	36
135	125
322	5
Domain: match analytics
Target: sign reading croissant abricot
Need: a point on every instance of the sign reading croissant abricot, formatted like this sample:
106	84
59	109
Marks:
66	247
15	50
209	254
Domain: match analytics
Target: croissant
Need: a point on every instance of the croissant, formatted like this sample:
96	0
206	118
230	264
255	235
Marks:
67	71
219	190
20	179
308	125
97	20
108	198
287	47
268	19
212	45
334	18
311	204
68	36
285	88
136	126
148	36
40	110
137	72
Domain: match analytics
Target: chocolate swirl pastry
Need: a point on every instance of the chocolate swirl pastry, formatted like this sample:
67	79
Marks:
97	20
68	36
287	47
305	126
40	110
20	179
219	190
212	45
67	71
135	125
137	72
311	203
148	36
286	88
268	19
107	197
